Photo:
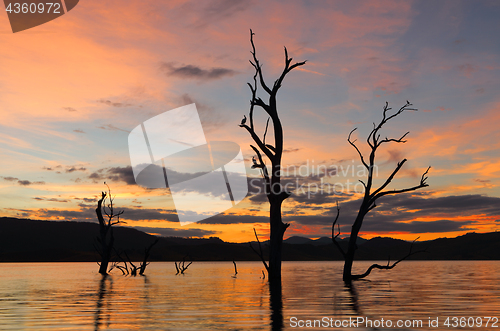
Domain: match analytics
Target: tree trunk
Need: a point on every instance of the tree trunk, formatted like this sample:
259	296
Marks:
144	264
103	268
276	305
349	259
352	247
276	240
106	249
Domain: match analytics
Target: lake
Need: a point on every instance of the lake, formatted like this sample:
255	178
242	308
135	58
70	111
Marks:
73	296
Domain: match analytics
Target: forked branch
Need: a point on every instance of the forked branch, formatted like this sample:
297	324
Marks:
334	236
422	184
389	265
352	143
374	137
181	267
272	152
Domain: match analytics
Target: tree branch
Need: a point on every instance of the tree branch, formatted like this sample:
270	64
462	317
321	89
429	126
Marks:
356	147
260	254
388	266
265	132
334	236
421	185
133	268
261	145
400	140
374	136
272	152
286	70
182	267
257	65
389	179
262	165
235	270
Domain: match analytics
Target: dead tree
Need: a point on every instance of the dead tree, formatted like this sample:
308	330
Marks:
275	192
182	267
145	262
133	267
371	195
106	238
117	264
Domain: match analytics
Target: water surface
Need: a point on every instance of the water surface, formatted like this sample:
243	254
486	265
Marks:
73	296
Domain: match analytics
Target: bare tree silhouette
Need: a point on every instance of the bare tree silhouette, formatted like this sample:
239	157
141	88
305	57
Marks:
235	270
107	218
133	267
117	264
145	262
106	238
181	267
371	195
275	192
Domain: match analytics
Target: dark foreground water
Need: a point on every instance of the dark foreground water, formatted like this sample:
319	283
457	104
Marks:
73	296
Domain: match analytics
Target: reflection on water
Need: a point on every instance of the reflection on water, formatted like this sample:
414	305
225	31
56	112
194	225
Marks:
276	306
104	290
73	296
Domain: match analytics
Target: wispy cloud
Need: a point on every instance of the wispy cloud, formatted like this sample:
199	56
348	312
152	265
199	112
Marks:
115	174
69	168
75	168
87	213
50	199
111	127
114	104
22	182
27	182
221	9
190	71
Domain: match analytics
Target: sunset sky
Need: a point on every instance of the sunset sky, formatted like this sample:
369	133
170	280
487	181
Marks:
71	90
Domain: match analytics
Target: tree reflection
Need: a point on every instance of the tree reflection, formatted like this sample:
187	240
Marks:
105	286
353	294
276	305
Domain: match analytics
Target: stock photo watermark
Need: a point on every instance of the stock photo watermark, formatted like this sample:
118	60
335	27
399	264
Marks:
365	322
312	179
204	178
25	15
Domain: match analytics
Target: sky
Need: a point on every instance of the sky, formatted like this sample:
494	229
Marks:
73	89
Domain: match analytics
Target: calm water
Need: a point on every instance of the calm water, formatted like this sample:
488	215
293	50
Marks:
73	296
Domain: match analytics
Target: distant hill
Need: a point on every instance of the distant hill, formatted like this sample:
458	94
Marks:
23	240
295	240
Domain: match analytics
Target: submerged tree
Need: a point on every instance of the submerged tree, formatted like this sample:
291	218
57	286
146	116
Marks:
371	195
181	267
145	262
106	238
275	192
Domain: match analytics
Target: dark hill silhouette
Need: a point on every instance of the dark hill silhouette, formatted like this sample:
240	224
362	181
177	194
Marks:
23	240
316	242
